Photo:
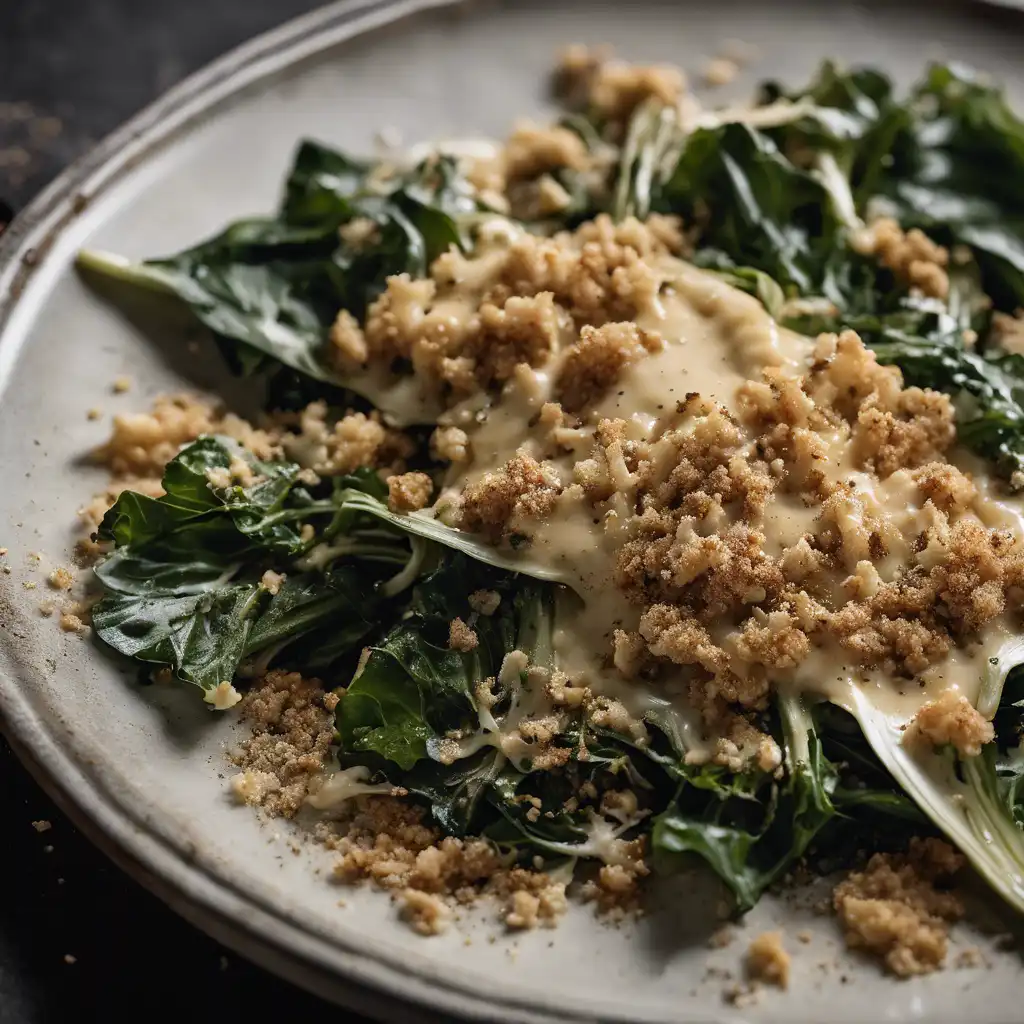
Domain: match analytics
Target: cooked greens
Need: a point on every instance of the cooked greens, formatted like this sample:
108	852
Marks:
183	585
270	288
363	596
780	204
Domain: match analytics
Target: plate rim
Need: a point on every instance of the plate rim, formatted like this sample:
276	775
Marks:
334	969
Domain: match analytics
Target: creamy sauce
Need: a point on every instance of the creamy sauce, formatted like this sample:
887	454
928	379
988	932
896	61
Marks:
717	338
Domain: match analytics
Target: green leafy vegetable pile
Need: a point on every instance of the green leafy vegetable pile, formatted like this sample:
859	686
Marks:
368	595
270	288
777	206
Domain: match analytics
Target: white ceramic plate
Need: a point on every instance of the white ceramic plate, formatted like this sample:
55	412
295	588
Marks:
141	769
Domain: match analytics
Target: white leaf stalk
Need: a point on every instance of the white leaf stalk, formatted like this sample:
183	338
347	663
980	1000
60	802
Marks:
965	806
424	525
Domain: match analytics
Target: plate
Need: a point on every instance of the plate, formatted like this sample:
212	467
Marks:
141	769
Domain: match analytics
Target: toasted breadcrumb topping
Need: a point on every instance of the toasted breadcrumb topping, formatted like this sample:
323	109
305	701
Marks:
720	71
71	623
500	503
695	554
912	255
900	907
951	719
612	89
409	492
532	150
473	321
461	637
1008	332
389	842
272	582
61	579
593	363
348	349
426	913
141	445
292	732
768	961
449	444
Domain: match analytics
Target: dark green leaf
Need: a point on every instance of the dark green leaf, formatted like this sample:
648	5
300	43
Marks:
269	289
182	585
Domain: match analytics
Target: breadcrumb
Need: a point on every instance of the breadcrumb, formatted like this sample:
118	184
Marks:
425	912
61	579
912	256
532	150
896	909
348	349
461	637
768	961
389	843
292	733
500	502
484	602
613	89
593	364
474	321
449	444
332	447
272	582
951	719
71	623
720	71
409	492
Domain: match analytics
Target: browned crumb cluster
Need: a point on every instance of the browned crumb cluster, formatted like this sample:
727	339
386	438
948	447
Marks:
522	489
381	839
72	621
61	579
1008	332
141	445
461	637
594	362
768	961
900	907
911	255
534	294
330	447
696	557
292	728
612	89
409	492
951	719
391	843
617	889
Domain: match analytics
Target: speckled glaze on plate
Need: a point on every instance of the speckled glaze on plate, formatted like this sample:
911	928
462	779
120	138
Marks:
140	769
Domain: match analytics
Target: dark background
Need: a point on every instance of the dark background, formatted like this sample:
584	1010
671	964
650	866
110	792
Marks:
70	72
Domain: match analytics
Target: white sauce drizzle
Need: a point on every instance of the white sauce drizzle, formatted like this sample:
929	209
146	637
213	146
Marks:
717	338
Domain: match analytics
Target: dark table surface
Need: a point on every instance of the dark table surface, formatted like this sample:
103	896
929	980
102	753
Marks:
77	937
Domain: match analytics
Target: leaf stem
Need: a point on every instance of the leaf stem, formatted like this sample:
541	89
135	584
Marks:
119	268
